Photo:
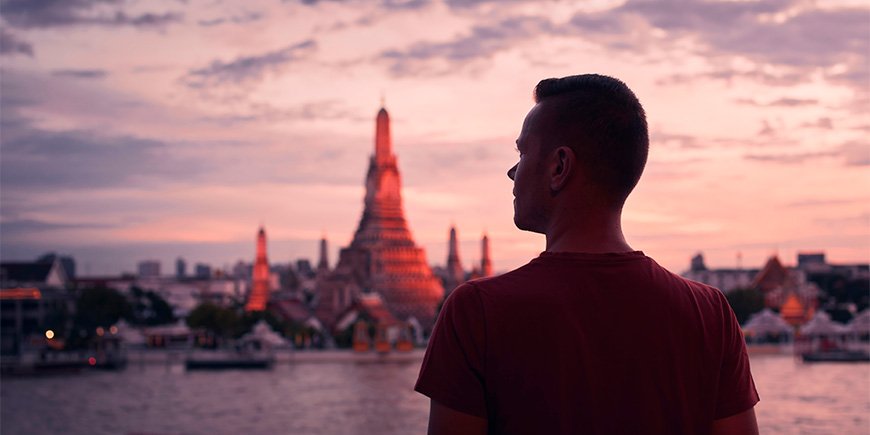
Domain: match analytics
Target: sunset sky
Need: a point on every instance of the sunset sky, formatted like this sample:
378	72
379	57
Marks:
156	129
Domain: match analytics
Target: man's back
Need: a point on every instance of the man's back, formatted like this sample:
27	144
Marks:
589	343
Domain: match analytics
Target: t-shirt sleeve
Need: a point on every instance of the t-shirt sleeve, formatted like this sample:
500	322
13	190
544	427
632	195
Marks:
452	370
736	388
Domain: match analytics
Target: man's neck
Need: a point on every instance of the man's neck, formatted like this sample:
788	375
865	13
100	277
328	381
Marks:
585	232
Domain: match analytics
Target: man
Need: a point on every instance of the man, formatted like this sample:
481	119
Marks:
591	336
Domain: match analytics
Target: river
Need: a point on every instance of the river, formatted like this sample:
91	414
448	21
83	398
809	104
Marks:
346	397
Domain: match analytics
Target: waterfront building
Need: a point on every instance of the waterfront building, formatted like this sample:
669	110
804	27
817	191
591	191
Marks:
202	271
68	262
180	268
261	285
382	258
724	279
33	299
149	268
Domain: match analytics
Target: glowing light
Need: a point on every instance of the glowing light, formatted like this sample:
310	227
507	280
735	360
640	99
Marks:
100	331
49	334
92	361
113	329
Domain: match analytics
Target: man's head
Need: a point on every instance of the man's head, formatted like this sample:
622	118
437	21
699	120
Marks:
583	145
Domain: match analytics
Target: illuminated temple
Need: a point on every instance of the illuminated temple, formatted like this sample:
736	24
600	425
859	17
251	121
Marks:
382	259
259	295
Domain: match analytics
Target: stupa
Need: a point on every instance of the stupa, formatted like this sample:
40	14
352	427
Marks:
259	295
382	258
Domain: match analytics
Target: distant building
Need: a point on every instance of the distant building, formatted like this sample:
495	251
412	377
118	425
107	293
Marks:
149	269
243	270
180	268
202	271
33	298
68	263
725	279
304	269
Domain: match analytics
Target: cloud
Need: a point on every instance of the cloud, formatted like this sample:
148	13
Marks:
819	202
32	225
59	13
388	4
757	74
10	44
247	68
670	140
781	102
80	73
853	153
856	153
481	43
823	123
789	159
234	19
310	111
787	34
34	158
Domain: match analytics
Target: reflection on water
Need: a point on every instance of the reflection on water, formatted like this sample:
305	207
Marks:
355	398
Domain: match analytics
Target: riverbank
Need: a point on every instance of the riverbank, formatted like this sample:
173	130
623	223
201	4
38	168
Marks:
284	356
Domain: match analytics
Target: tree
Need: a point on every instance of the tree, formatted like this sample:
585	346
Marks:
745	302
220	321
149	308
100	307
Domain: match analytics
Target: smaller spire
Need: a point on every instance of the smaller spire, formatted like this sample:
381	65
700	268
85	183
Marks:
485	262
323	264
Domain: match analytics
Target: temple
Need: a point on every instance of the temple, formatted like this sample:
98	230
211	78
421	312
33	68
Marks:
259	295
454	274
382	259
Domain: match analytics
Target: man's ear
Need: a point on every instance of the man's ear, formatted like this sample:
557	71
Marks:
562	165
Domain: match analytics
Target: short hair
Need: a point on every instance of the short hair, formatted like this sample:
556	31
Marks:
603	122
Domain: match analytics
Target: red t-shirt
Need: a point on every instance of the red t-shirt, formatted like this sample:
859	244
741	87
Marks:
589	343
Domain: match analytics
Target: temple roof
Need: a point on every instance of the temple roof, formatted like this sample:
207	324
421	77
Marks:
772	275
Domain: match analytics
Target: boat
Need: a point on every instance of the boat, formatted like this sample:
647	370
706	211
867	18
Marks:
246	355
252	351
44	362
837	355
108	351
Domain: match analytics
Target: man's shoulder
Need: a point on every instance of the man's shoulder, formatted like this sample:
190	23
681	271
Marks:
516	278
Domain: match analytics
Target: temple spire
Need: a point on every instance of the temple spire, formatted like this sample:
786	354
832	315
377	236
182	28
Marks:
259	295
485	262
383	142
323	264
454	266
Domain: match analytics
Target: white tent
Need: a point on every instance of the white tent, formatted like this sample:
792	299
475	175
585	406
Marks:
767	322
861	323
821	324
315	324
131	336
263	332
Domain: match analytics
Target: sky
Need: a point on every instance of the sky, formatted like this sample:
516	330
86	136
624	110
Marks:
133	130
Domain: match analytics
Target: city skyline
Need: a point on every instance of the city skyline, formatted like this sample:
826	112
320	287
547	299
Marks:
225	117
